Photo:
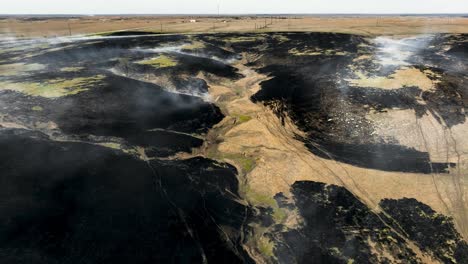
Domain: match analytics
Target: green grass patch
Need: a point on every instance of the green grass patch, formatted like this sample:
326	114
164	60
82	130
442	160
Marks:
260	199
19	68
162	61
37	108
55	87
246	163
265	246
258	240
243	118
71	69
279	215
257	198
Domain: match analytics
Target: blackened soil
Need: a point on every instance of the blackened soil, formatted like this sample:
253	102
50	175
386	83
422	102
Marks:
164	143
79	203
450	99
338	228
128	33
212	51
318	107
121	107
311	89
431	231
73	201
107	53
125	105
193	64
190	85
82	203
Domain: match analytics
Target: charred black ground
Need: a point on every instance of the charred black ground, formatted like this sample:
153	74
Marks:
339	228
68	200
94	130
305	87
79	203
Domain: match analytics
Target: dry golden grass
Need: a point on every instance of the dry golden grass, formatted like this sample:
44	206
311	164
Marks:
387	25
401	78
281	159
53	88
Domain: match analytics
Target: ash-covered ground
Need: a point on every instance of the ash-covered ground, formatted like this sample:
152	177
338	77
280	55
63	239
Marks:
234	148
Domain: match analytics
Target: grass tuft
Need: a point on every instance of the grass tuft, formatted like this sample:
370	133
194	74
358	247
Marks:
243	118
265	246
37	108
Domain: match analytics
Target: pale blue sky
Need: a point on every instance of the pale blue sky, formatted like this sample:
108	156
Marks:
230	6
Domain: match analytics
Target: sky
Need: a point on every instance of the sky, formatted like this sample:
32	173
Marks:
232	6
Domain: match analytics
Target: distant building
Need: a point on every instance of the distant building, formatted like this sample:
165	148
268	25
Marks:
193	20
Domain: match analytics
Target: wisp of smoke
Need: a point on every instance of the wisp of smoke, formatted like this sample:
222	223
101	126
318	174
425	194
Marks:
397	52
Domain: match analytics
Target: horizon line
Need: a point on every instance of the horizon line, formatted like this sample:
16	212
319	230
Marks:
232	14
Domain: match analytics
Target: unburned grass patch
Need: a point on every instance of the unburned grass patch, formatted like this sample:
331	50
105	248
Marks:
19	68
37	108
196	45
243	118
71	69
162	61
264	200
316	52
53	88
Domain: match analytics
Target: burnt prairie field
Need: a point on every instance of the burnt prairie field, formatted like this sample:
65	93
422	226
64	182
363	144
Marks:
131	147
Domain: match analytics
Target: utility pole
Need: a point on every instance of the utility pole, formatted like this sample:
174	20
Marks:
69	29
214	23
